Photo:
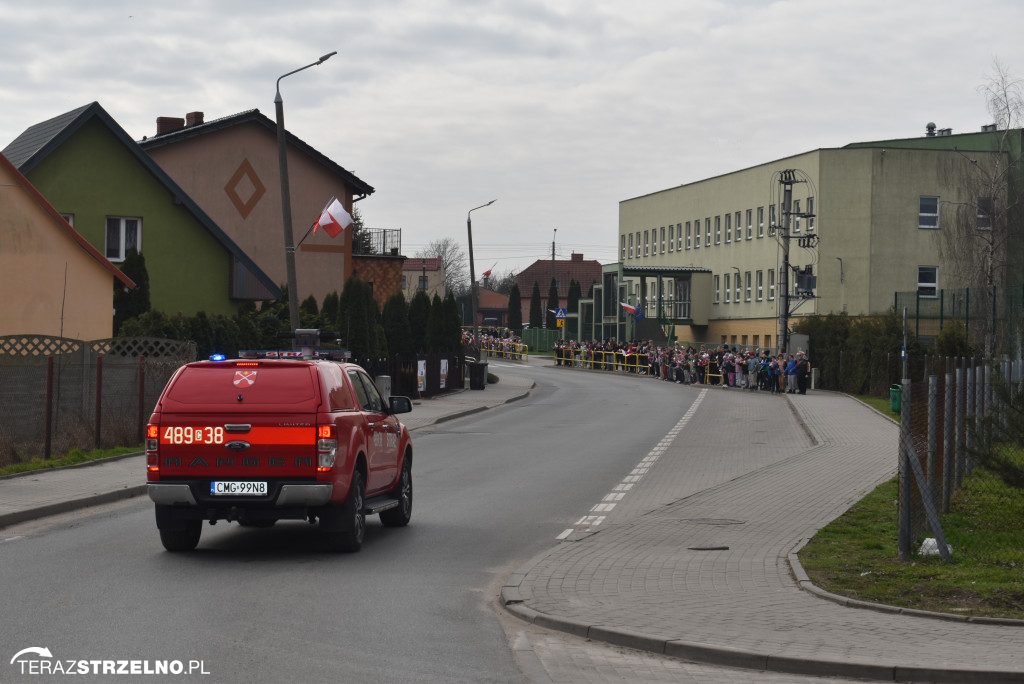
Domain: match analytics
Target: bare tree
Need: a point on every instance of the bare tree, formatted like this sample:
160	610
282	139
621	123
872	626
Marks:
456	265
982	226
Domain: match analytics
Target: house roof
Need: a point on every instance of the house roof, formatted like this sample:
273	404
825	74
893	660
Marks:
353	182
62	223
39	141
489	299
583	271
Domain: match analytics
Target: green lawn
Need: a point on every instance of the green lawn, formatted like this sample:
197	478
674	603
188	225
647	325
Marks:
73	457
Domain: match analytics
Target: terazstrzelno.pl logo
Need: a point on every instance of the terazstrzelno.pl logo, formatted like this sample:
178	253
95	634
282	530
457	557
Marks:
36	660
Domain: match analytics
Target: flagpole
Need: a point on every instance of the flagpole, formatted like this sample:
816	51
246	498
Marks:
473	291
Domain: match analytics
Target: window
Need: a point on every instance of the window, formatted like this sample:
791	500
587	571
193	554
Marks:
423	282
688	235
928	212
671	238
760	285
718	286
986	210
771	285
768	341
739	287
796	216
638	244
739	226
718	230
630	245
771	217
403	282
810	214
663	239
746	283
647	242
756	340
728	290
928	281
760	222
728	228
750	224
123	234
707	232
679	237
622	247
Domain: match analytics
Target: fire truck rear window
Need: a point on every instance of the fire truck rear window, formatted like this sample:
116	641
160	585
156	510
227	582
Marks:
280	385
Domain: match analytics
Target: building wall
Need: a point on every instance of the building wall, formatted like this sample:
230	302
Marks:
435	282
233	174
93	176
870	245
51	286
383	272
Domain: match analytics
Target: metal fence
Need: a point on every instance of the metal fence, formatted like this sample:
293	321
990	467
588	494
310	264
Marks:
996	311
59	394
942	422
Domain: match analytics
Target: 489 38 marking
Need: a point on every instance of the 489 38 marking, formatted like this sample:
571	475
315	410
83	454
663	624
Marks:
186	434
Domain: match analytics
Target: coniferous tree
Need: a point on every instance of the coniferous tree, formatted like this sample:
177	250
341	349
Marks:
515	309
435	326
419	312
536	311
452	325
131	303
396	326
552	304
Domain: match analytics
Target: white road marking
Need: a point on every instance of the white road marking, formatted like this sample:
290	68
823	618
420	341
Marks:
619	491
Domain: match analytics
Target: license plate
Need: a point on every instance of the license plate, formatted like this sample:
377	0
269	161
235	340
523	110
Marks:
219	488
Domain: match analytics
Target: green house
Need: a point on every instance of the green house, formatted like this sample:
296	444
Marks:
118	198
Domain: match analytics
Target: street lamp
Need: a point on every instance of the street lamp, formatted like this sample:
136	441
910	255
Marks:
286	200
473	292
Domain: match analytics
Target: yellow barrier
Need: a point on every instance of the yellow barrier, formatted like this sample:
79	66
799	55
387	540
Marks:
511	350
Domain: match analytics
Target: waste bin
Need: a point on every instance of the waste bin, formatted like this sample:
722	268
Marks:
478	375
896	398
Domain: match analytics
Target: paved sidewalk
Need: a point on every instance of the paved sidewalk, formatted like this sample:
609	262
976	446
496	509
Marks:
42	493
695	560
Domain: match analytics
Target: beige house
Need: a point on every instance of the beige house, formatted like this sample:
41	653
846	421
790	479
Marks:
54	282
706	258
425	274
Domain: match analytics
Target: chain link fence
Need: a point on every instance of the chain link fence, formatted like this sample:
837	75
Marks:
59	394
946	420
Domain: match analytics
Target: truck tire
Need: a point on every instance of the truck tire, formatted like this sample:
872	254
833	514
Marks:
346	525
184	539
402	514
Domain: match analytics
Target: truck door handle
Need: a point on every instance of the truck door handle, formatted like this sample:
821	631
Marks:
237	427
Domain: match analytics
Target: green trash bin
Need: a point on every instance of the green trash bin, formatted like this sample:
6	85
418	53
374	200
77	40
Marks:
896	398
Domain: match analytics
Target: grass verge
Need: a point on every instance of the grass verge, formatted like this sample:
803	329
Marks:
856	555
73	457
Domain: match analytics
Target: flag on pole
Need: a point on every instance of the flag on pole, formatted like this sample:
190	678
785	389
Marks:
637	311
487	273
629	308
333	219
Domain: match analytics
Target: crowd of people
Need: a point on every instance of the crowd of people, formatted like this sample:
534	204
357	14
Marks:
500	342
723	365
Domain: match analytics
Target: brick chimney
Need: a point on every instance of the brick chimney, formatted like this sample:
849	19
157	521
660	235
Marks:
576	257
168	124
193	118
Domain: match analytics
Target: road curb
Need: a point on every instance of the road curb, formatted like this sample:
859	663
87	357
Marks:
8	519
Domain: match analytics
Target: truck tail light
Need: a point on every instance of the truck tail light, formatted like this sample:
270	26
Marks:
326	448
153	448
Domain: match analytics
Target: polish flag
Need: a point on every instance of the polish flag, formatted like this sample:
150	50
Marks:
333	219
628	308
487	273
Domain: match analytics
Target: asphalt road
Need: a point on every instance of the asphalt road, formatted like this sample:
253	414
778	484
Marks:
416	604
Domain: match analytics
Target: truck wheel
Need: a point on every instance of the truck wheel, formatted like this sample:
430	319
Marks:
184	539
346	525
400	515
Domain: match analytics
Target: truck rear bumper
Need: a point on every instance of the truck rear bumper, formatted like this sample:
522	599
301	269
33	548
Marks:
290	496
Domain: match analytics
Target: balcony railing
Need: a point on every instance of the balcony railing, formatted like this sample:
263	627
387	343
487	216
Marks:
386	241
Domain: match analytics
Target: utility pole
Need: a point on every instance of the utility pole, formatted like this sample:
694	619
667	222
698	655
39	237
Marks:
787	179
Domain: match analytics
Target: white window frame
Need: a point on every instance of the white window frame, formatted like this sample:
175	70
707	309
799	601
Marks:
746	282
927	219
739	287
750	224
771	285
718	285
810	211
679	237
760	286
796	216
718	230
707	231
671	238
928	284
121	247
760	222
663	239
647	243
688	235
622	248
728	228
728	289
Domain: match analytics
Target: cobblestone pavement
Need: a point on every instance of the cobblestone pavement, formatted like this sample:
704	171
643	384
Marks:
693	560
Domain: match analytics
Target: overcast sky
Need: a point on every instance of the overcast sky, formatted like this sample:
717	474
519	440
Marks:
558	109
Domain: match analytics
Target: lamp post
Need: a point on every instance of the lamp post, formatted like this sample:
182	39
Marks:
286	200
473	292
